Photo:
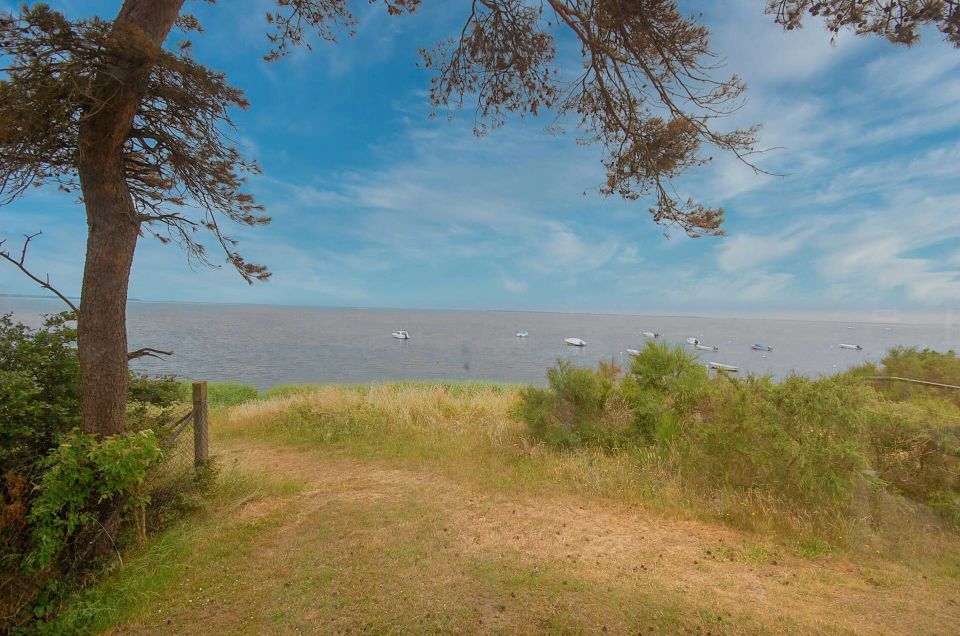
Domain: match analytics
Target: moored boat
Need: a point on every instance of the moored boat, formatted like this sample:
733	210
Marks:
401	335
759	346
575	342
850	346
719	366
693	341
650	334
703	347
633	352
523	333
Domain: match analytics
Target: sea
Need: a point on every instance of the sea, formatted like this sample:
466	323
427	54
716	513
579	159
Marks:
270	345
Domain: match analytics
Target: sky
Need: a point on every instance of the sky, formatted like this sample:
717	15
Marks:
376	204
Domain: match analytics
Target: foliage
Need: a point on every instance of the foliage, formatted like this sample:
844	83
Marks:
163	390
573	411
810	443
78	478
899	21
657	365
798	439
916	364
174	149
39	388
39	410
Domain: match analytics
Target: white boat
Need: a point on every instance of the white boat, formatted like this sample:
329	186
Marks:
693	341
523	333
703	347
719	366
633	352
850	346
401	335
650	334
575	342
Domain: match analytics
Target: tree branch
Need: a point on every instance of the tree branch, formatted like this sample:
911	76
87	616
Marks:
148	352
20	264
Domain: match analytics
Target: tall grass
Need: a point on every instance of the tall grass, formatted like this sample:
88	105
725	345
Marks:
816	462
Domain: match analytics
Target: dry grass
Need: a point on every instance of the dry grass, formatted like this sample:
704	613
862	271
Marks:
425	510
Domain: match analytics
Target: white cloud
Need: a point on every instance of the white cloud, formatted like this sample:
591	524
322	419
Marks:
881	250
745	251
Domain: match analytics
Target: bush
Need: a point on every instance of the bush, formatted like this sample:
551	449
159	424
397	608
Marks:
659	366
162	391
798	440
53	480
574	410
916	451
916	364
39	390
79	478
821	445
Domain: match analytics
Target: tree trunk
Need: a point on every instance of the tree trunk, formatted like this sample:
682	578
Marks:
112	220
102	327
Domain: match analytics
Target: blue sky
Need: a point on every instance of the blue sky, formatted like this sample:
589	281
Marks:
374	204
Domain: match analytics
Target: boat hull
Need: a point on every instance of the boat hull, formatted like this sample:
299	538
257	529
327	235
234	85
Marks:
719	366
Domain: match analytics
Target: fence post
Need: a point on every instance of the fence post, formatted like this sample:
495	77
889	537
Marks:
200	442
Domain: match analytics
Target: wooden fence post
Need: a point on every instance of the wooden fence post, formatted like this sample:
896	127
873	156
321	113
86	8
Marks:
200	440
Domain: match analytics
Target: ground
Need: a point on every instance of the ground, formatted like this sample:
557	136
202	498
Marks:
365	546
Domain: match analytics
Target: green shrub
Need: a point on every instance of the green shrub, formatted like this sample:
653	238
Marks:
797	440
78	478
39	389
45	488
826	446
162	391
580	408
660	365
916	451
915	364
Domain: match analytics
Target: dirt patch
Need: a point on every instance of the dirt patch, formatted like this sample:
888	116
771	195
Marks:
613	547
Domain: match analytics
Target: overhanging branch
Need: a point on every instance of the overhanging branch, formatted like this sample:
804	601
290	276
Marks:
148	352
21	265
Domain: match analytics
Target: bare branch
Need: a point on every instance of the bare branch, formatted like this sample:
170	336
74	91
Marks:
148	352
21	265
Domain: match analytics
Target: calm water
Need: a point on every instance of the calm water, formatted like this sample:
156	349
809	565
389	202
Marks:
265	346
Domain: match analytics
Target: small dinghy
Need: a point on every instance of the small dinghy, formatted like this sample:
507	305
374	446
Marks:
693	341
718	366
575	342
523	333
650	334
759	346
633	352
703	347
401	335
850	346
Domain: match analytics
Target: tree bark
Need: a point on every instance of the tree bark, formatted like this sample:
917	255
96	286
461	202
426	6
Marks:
112	219
112	233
